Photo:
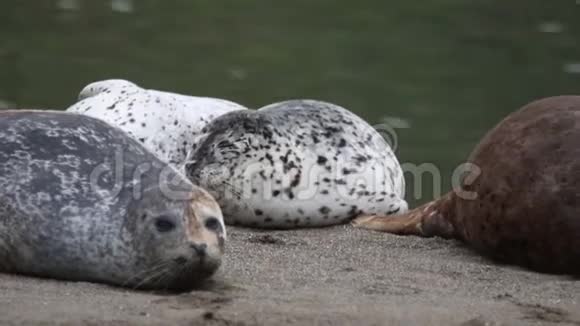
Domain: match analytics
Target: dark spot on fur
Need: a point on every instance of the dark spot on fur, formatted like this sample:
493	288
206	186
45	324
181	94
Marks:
270	158
263	175
346	171
360	158
296	180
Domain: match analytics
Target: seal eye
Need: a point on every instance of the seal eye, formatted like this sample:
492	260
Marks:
213	224
163	224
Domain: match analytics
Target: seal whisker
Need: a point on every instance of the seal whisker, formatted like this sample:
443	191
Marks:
163	277
156	265
232	188
160	270
139	274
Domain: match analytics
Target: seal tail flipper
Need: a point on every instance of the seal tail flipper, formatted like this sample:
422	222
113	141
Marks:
431	219
408	224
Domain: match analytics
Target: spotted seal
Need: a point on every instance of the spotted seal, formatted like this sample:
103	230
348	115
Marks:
82	201
166	123
297	163
521	205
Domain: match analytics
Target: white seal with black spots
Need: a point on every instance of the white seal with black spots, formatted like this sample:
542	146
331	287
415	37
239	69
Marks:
168	124
298	163
82	201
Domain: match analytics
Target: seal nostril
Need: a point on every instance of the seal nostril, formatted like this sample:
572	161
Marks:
200	248
180	260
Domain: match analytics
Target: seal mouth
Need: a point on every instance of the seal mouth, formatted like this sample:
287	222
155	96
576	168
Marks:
179	275
191	277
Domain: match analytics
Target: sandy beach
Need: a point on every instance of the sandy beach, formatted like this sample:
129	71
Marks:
329	276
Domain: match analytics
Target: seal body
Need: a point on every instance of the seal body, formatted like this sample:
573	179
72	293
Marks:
168	124
299	163
82	201
521	201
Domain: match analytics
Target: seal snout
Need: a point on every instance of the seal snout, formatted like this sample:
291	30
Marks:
199	248
198	253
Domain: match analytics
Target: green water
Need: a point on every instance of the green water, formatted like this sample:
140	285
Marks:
449	68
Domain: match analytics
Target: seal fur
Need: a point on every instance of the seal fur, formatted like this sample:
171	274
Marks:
168	124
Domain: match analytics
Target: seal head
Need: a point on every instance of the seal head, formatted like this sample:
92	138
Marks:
82	201
179	245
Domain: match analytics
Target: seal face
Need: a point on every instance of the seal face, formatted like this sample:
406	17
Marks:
526	208
82	201
168	124
298	163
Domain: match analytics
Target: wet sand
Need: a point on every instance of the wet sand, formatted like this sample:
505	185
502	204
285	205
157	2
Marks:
330	276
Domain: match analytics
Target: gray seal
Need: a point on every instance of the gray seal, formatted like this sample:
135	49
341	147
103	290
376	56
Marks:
297	163
82	201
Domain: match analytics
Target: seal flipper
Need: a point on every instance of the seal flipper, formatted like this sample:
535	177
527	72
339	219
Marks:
406	224
431	219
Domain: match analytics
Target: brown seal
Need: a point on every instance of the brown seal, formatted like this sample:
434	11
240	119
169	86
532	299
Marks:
526	209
